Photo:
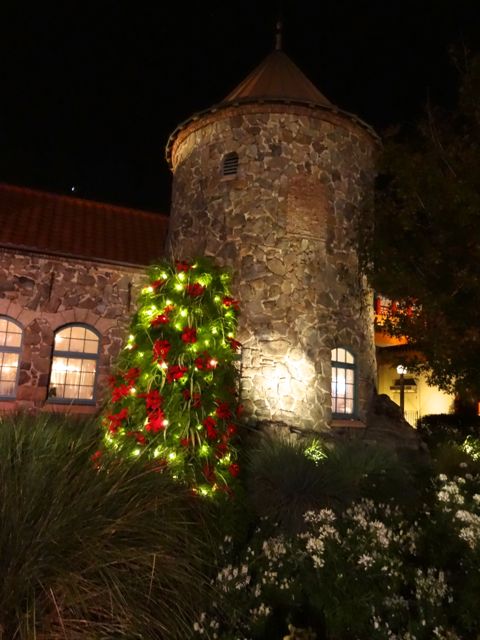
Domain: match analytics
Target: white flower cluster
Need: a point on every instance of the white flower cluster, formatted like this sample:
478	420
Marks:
203	627
443	634
365	561
430	586
262	611
274	548
364	516
236	577
324	529
381	626
450	494
453	497
470	531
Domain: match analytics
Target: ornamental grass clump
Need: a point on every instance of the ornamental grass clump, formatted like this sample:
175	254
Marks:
116	551
174	394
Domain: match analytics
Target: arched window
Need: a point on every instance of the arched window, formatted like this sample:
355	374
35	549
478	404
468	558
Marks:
343	382
230	164
74	365
10	343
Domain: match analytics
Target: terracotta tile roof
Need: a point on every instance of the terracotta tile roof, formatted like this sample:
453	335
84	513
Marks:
62	225
277	77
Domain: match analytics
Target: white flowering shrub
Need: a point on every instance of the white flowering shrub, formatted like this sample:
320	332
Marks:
371	572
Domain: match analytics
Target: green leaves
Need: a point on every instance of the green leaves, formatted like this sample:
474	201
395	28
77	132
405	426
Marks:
427	237
174	397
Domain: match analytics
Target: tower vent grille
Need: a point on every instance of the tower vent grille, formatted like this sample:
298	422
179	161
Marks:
230	164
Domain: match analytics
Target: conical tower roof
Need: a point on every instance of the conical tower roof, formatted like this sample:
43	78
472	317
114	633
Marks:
276	84
277	77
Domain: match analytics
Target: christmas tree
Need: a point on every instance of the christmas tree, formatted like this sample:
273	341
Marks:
174	394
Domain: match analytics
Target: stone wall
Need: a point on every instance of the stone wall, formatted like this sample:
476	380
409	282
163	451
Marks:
287	225
43	293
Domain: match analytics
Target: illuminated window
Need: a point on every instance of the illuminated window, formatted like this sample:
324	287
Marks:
74	365
10	343
343	382
230	164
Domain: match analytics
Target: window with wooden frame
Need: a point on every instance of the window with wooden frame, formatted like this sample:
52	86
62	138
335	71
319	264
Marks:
10	345
344	382
74	365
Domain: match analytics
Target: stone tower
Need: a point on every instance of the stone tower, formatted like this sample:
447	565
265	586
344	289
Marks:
272	182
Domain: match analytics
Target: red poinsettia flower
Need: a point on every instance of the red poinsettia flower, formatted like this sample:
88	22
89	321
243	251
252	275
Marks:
96	458
223	410
195	398
139	437
159	320
195	290
158	284
153	399
156	421
228	301
235	345
234	470
183	266
231	430
112	381
131	376
175	372
210	423
160	350
205	362
120	392
189	335
221	450
200	362
209	473
116	420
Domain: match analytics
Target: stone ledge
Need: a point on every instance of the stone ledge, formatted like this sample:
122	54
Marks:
349	423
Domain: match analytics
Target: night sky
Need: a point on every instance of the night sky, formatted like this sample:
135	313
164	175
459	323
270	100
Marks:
92	90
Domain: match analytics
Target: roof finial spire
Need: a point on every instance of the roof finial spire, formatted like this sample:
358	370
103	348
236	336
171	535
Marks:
278	35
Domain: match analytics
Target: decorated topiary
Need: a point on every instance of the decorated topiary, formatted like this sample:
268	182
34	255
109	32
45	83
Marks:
174	395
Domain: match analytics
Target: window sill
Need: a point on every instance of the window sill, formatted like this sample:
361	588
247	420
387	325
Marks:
71	403
7	404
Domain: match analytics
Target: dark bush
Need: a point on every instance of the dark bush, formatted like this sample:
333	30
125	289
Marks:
436	429
283	482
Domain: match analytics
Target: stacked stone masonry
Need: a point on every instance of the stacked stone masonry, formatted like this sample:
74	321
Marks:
42	294
287	225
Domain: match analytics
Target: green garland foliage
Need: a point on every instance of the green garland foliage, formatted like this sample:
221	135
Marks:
174	396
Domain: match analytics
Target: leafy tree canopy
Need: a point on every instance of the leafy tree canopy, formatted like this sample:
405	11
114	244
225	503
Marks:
426	247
